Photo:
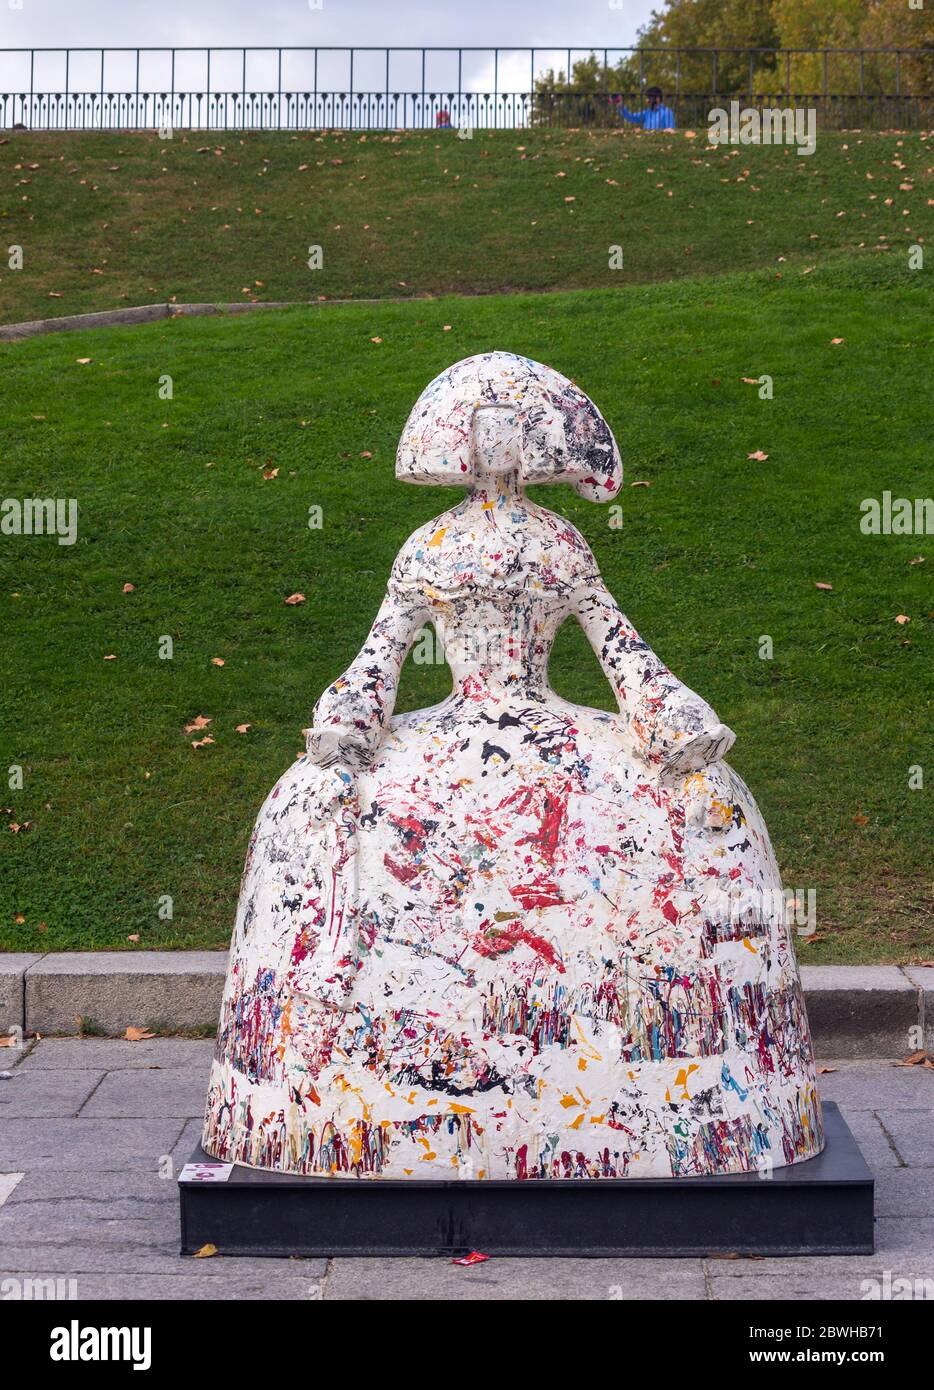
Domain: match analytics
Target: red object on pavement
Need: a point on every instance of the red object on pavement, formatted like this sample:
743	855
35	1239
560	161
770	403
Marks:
474	1258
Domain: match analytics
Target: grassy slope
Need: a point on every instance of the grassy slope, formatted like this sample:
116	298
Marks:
717	551
110	220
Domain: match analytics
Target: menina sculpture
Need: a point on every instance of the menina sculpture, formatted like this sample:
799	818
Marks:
508	936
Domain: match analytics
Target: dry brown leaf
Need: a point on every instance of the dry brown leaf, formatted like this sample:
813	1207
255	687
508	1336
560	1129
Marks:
199	722
111	657
818	585
295	598
902	619
205	1252
641	482
128	588
217	661
376	340
201	742
134	937
750	380
825	1071
270	473
134	1034
84	360
860	819
242	728
759	456
835	342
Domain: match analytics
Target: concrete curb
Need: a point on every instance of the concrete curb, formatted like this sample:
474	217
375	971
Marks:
142	313
854	1010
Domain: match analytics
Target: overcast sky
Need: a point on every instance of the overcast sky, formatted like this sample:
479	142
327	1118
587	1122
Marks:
550	26
77	23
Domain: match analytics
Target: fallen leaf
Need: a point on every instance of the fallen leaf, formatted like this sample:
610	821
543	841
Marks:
295	598
200	721
205	1252
269	473
111	657
84	360
19	919
860	819
835	342
217	661
916	1059
201	742
446	327
641	482
134	1034
759	456
365	454
750	380
902	619
134	937
128	588
242	728
376	340
825	1071
822	586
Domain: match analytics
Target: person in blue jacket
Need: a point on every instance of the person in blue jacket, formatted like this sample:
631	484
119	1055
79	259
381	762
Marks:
656	116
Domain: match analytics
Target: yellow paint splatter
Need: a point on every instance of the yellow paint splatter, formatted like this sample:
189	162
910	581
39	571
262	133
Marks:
438	537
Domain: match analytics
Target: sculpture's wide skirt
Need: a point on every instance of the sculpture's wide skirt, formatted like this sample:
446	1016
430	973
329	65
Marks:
569	970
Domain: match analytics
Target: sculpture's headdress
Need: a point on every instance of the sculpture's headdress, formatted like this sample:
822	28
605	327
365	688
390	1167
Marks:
565	439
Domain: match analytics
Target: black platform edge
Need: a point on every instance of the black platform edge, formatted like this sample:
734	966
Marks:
823	1206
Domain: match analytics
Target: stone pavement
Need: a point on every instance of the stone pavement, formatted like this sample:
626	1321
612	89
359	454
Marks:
86	1125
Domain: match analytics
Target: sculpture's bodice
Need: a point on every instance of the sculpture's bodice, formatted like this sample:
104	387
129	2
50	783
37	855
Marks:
496	576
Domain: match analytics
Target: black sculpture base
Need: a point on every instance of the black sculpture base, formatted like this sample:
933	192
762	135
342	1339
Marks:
821	1207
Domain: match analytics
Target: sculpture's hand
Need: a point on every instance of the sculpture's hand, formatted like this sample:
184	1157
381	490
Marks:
678	732
330	743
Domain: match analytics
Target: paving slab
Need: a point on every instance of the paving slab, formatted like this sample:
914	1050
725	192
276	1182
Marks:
254	1285
46	1093
860	1011
905	1192
869	1085
875	1144
13	969
102	1145
602	1280
802	1285
912	1134
167	991
112	1054
174	1092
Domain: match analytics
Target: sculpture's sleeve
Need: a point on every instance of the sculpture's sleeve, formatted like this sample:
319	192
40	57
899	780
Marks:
671	728
351	716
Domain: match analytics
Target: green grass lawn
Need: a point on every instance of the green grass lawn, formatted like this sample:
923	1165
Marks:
110	220
717	552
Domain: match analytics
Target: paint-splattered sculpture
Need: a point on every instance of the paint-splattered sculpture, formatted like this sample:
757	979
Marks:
510	937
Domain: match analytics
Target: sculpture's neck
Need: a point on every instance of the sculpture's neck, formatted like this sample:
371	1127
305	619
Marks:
498	488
